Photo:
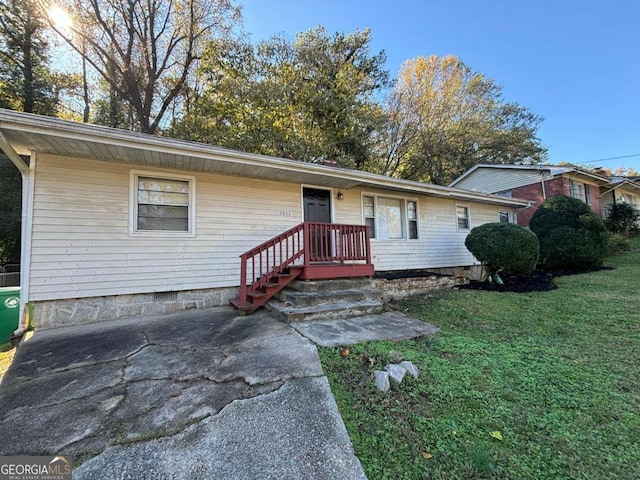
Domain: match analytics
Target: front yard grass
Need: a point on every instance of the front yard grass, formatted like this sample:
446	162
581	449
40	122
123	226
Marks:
515	386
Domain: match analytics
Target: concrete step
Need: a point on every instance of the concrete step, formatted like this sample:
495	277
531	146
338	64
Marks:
290	313
308	299
332	285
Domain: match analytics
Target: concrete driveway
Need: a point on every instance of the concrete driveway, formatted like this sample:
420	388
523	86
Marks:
198	394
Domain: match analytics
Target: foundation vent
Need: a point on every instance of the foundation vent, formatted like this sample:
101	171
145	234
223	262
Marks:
165	296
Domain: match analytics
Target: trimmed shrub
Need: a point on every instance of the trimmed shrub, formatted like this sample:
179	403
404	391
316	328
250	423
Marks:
623	218
504	247
570	234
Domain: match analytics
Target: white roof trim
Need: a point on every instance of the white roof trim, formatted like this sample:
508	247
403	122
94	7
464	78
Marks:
552	169
11	121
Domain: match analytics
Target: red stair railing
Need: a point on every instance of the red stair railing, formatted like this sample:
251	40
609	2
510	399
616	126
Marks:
310	241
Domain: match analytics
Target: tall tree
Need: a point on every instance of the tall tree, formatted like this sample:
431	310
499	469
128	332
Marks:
145	49
10	220
312	98
26	84
26	81
443	118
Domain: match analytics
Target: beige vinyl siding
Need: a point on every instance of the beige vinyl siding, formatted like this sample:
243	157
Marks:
81	244
440	243
492	180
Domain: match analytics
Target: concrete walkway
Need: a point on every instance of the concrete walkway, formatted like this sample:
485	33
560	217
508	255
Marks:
198	394
368	328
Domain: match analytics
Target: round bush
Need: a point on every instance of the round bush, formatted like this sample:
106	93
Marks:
570	234
504	247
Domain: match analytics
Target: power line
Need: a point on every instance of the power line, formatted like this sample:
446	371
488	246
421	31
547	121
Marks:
607	159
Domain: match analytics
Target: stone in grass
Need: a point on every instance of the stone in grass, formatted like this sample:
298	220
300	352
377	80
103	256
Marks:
410	368
381	379
396	373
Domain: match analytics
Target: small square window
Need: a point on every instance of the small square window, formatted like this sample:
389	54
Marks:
462	214
504	216
162	204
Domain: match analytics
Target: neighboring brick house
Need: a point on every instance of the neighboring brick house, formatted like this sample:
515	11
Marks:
536	183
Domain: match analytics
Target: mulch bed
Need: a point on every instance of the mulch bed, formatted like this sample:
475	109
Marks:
537	281
396	274
533	282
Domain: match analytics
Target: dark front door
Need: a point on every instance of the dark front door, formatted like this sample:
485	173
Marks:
317	209
317	205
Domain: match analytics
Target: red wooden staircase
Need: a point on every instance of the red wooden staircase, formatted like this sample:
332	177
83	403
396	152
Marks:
308	251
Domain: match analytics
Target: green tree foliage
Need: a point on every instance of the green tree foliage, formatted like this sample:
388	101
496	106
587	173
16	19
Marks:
504	247
145	50
443	118
623	219
26	82
570	234
11	195
312	98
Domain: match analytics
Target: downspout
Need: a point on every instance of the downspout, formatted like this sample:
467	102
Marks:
28	183
27	173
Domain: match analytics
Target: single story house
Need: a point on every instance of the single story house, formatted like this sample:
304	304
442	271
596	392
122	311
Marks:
117	223
536	183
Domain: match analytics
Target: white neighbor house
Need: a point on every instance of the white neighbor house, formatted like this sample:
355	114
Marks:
117	223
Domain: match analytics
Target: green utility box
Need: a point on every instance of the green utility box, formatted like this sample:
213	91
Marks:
9	312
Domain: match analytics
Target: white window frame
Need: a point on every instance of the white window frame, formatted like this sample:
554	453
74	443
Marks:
458	227
404	212
409	220
579	190
509	216
587	194
133	204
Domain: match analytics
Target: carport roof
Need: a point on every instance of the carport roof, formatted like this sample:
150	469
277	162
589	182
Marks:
25	134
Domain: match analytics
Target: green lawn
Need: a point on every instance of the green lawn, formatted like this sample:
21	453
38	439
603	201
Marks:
557	374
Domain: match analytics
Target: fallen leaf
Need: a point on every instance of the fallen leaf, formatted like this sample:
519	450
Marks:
426	455
344	352
497	435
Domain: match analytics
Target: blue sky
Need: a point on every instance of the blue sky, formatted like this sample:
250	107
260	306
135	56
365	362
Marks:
576	63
